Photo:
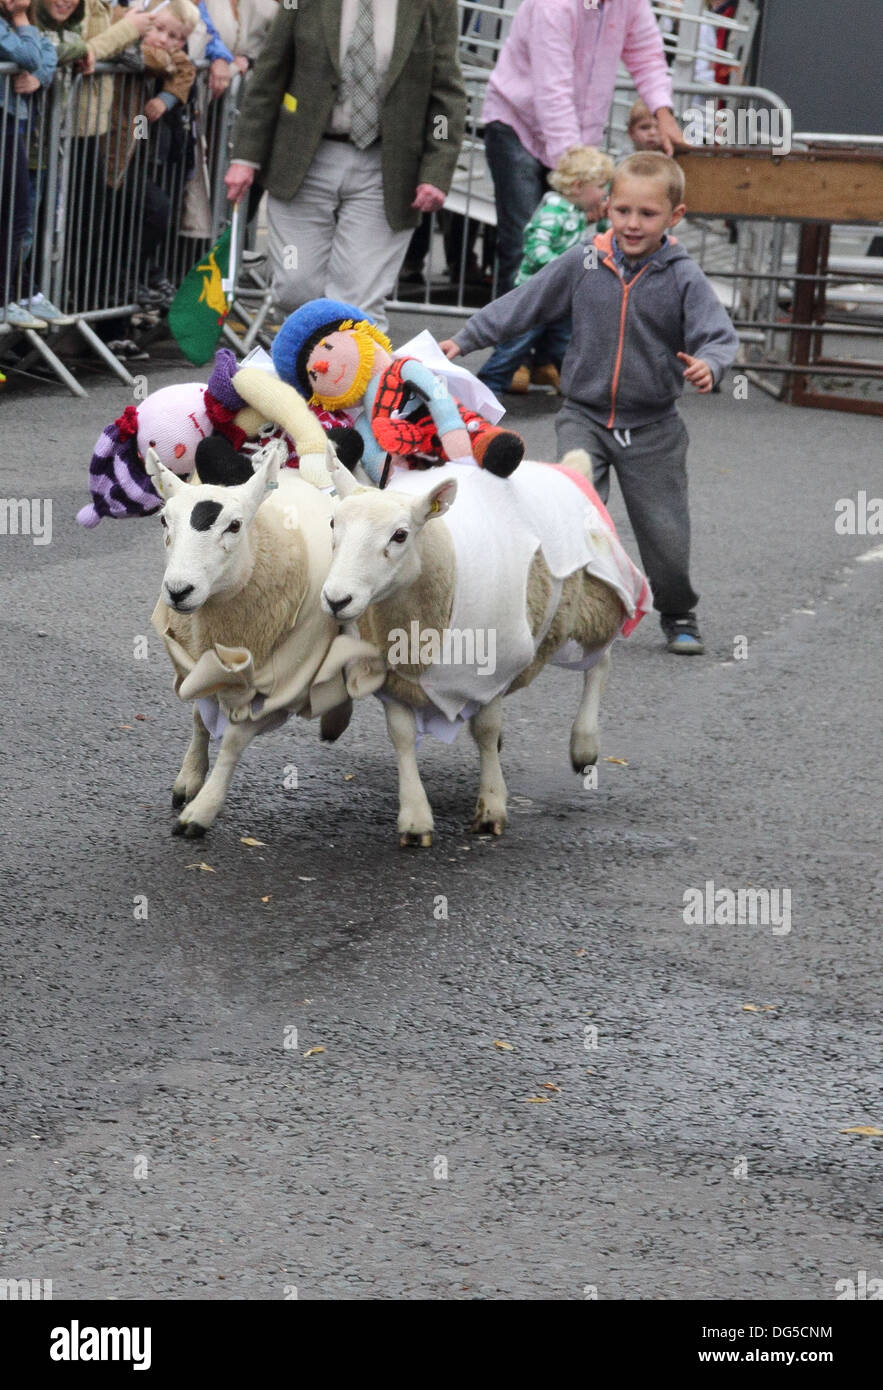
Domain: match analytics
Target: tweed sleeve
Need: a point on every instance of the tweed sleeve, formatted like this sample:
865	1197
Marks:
256	126
446	110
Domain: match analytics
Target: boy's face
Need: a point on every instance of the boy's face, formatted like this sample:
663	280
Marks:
168	33
640	214
645	134
61	10
590	199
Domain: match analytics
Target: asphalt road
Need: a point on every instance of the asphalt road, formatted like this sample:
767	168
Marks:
159	1136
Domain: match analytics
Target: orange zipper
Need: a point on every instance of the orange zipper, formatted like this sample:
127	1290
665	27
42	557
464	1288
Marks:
622	313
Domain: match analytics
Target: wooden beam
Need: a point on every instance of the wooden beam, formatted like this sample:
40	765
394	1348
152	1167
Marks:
812	185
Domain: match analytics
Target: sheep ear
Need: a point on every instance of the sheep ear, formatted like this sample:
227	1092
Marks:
267	463
436	502
341	477
164	480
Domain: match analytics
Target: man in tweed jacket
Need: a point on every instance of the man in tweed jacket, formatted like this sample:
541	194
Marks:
342	205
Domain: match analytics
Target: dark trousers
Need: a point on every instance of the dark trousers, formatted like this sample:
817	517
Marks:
15	200
652	473
519	184
538	346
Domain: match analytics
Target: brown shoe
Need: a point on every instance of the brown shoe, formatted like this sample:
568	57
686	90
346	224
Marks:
546	375
520	381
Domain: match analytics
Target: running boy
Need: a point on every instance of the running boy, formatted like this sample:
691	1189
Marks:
639	305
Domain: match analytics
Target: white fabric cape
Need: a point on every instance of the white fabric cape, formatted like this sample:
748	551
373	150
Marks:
497	525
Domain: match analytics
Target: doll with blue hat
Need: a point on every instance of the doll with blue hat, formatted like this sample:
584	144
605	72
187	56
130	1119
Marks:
335	355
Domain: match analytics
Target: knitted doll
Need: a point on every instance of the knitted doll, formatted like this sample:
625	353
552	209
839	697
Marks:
246	406
337	358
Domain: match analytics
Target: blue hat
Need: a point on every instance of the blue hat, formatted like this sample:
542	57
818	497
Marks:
300	333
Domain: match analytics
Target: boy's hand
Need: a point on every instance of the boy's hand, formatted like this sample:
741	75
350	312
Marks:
17	10
155	109
25	83
697	372
87	65
449	348
240	62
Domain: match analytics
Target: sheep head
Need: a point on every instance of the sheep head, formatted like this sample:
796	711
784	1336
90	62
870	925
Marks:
375	539
206	529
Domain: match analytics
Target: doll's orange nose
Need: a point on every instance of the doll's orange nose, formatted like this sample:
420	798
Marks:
180	450
322	365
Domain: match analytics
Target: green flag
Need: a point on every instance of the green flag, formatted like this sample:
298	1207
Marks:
198	311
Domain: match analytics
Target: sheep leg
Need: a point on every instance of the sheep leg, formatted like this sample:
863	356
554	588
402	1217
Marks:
415	812
585	739
199	813
195	764
490	811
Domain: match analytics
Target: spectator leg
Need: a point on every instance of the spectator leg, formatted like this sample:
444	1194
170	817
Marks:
300	232
366	253
157	214
14	202
519	184
552	342
506	358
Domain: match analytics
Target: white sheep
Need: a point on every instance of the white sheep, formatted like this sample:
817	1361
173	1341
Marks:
241	619
531	561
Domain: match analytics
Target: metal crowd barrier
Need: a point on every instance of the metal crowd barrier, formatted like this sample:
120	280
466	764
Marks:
116	205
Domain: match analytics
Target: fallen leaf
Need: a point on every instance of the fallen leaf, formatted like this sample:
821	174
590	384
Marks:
590	1071
267	898
140	716
250	840
202	865
348	776
759	1008
581	951
622	762
536	1100
503	1046
125	726
870	1130
313	1050
306	880
550	1086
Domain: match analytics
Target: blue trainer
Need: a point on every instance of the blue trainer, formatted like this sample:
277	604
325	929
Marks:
682	634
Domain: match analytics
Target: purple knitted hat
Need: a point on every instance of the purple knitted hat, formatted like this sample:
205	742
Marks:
220	383
117	480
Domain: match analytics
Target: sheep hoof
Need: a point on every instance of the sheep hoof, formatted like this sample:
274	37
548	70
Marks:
582	765
178	800
482	826
191	829
585	750
415	839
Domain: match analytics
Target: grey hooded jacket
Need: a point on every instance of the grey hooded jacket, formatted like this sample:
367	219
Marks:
621	364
